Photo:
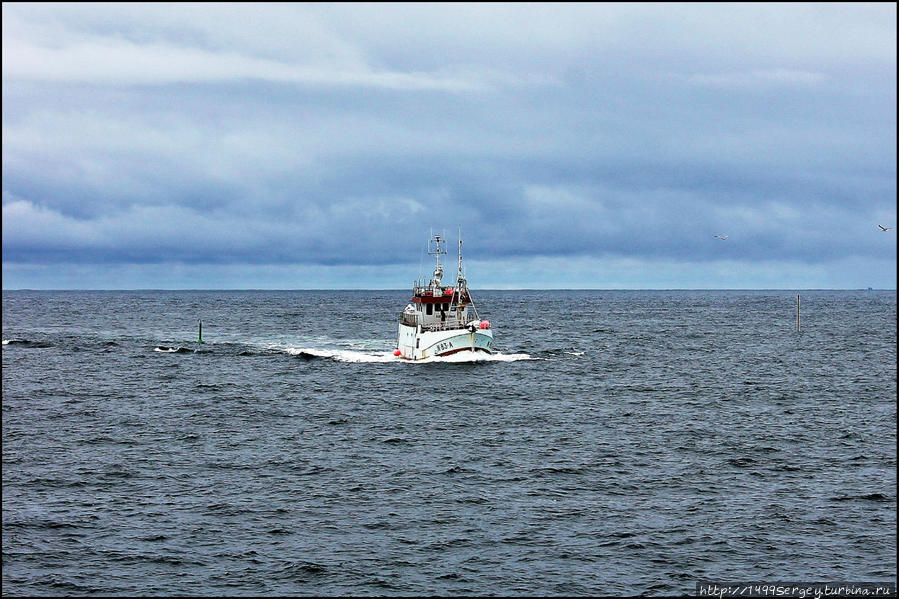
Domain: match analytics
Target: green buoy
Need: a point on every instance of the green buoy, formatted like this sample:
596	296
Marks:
200	334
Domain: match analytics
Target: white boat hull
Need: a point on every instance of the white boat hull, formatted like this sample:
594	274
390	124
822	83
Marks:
415	344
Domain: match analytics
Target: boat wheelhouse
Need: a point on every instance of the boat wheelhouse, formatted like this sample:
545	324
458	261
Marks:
441	319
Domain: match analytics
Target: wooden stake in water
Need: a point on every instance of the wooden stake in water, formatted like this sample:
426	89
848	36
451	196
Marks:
798	326
200	333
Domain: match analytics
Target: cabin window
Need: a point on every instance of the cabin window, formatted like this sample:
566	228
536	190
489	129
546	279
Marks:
430	309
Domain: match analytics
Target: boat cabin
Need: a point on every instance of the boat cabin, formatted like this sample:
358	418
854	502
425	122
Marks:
438	308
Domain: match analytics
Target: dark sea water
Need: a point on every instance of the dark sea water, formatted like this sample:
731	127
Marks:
623	443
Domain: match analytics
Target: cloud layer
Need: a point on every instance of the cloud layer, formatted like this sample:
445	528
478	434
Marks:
331	138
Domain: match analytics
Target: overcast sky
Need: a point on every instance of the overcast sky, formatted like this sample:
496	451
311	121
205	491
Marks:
294	146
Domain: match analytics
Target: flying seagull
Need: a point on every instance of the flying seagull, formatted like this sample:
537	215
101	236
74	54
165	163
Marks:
723	237
882	228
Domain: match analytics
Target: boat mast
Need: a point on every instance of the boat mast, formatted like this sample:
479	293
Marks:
460	280
439	248
462	284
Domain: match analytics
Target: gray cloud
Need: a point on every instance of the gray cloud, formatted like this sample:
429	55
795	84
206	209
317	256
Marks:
329	135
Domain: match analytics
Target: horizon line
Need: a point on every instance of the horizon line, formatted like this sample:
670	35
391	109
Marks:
480	289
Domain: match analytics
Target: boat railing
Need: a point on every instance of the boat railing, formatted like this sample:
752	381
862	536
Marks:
448	325
429	292
413	319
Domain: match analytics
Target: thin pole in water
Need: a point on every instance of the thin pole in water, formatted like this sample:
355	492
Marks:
798	326
200	334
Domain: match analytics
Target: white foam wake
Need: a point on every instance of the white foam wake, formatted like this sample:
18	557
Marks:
468	356
345	355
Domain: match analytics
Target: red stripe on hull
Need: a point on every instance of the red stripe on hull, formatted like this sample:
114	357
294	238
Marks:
455	351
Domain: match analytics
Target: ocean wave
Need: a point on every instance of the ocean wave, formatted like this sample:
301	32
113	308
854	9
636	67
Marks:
20	341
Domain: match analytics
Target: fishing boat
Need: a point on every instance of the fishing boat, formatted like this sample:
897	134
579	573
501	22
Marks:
441	320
